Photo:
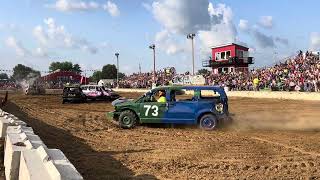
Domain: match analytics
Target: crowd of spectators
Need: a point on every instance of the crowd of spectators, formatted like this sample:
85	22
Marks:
299	73
8	85
145	80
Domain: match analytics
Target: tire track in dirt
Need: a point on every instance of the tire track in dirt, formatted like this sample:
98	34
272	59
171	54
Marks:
313	154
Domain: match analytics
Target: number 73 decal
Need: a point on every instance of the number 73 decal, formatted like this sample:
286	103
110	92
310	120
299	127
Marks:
154	109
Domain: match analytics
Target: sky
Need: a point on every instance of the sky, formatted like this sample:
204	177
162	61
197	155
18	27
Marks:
38	32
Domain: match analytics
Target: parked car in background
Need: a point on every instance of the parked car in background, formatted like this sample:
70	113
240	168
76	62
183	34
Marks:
96	92
73	93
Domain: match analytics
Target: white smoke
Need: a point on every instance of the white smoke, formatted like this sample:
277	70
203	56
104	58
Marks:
28	82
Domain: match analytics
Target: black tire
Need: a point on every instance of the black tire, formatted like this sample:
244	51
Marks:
127	119
208	122
63	101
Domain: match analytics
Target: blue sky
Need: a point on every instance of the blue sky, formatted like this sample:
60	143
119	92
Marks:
37	32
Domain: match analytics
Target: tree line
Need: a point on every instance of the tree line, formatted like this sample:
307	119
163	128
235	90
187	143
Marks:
21	71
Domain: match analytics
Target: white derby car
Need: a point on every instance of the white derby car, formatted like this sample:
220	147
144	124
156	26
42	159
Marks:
96	92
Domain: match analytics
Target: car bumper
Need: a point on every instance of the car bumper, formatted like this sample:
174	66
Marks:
113	97
225	119
73	98
113	115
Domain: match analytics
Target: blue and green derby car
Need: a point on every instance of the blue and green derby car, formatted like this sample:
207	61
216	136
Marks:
206	106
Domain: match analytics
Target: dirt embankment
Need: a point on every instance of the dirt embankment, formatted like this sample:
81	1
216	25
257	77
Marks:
269	139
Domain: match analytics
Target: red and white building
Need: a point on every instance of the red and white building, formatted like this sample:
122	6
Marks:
229	58
65	76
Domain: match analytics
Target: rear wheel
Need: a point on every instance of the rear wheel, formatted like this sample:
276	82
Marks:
127	119
208	122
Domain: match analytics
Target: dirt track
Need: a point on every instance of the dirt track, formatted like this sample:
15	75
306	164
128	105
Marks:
269	139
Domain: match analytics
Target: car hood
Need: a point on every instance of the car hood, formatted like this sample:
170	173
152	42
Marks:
121	101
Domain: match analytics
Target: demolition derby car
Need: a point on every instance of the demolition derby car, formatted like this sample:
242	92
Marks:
73	93
96	92
205	106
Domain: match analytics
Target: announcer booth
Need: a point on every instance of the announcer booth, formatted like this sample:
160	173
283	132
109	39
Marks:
229	58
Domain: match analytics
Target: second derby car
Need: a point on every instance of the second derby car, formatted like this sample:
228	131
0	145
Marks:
206	106
96	92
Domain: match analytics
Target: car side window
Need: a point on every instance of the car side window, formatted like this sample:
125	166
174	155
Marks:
152	96
209	94
182	95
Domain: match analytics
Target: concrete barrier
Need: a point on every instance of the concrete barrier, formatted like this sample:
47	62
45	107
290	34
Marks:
42	163
53	91
8	120
312	96
14	145
131	90
38	162
4	122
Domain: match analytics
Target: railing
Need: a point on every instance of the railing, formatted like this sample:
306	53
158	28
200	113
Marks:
231	61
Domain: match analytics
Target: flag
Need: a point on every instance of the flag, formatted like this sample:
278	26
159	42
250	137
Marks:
82	80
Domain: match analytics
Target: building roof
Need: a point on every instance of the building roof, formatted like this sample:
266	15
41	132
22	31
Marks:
229	44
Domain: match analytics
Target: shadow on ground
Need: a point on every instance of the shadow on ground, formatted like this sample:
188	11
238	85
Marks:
90	163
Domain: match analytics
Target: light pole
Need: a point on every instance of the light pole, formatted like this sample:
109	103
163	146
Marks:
117	55
153	47
191	36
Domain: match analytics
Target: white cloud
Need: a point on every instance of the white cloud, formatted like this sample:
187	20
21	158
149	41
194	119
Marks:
182	16
56	36
74	5
244	25
266	22
262	40
213	25
40	35
165	41
315	41
40	52
112	8
147	6
283	41
16	45
221	33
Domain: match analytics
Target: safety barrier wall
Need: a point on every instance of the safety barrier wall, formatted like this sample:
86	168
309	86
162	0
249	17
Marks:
250	94
27	157
53	91
255	94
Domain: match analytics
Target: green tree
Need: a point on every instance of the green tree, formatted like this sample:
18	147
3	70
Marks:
21	72
109	71
121	75
96	76
77	68
65	66
4	76
203	71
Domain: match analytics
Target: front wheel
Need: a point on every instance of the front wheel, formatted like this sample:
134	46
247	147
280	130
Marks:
208	122
127	119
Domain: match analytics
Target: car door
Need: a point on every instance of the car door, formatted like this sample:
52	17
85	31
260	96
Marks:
182	110
152	112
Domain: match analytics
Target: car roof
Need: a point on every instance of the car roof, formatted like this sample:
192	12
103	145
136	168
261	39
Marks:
218	89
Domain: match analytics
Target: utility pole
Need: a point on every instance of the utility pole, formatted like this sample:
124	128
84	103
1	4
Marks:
140	68
153	47
117	55
191	36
